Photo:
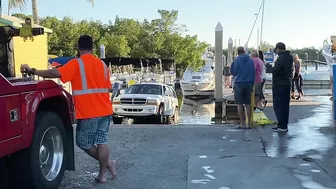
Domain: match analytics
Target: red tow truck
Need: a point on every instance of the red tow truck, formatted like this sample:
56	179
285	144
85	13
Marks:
36	125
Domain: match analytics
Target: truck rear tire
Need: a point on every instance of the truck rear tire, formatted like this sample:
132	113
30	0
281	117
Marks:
43	164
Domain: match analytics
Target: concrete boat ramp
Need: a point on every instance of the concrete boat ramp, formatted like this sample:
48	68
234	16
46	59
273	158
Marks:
253	172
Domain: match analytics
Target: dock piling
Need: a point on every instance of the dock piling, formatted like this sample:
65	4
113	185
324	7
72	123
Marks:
218	71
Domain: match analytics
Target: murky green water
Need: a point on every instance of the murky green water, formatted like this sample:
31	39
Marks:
195	111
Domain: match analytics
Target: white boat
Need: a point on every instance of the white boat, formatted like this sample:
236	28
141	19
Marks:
200	83
329	56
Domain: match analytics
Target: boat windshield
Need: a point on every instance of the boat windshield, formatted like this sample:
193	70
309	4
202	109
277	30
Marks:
145	89
196	77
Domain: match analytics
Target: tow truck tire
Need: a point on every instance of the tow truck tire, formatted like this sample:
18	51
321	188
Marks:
48	125
117	120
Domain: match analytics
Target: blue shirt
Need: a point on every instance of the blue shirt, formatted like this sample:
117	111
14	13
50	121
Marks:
243	69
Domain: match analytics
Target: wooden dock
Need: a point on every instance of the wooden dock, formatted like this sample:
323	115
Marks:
230	111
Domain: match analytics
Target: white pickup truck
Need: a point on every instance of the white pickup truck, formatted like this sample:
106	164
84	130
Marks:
147	101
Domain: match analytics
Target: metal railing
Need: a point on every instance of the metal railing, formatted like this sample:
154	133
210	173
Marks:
306	63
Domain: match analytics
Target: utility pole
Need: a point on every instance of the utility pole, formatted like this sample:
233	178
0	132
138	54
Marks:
262	21
35	12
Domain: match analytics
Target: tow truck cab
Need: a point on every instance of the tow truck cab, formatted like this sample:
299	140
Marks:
36	130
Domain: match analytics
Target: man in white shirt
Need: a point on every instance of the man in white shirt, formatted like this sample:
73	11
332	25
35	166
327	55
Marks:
328	52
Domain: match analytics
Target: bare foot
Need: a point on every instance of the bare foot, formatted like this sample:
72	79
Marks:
100	179
112	168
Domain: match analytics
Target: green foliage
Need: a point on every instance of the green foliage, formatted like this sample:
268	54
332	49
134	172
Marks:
21	4
313	53
264	46
157	38
22	16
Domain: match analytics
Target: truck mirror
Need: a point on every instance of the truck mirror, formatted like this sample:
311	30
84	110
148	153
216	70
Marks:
122	91
167	93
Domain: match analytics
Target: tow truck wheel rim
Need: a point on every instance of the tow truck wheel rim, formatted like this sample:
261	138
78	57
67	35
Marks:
51	153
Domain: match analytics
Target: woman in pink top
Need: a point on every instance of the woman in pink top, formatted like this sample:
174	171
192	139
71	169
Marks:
258	68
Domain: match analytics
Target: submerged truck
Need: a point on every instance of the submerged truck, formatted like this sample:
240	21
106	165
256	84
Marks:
36	124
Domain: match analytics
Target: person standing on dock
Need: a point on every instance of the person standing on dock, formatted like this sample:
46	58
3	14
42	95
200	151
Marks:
297	79
282	79
263	76
258	68
243	71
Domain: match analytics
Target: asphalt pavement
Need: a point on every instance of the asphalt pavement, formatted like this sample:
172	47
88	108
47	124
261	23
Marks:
219	156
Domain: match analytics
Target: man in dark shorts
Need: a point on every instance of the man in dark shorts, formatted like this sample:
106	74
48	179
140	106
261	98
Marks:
282	79
243	71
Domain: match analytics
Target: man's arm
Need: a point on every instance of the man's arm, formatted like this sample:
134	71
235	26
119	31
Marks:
52	73
233	68
66	73
277	65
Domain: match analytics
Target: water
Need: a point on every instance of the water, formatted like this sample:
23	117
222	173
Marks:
200	112
322	73
312	136
309	92
197	111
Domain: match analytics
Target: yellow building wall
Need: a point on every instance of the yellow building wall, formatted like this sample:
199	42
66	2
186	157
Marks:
34	53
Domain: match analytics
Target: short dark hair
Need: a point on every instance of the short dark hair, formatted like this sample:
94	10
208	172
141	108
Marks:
280	46
85	43
241	50
261	55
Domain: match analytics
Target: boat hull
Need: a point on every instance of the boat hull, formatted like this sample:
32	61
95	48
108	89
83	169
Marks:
197	90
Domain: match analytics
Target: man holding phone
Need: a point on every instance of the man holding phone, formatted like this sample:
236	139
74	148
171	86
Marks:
282	75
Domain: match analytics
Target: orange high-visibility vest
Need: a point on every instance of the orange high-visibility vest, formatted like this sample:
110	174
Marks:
90	88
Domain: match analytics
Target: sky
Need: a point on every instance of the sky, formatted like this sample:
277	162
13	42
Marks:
297	23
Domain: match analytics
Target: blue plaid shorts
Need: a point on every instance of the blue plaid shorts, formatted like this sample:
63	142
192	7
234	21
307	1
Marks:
92	131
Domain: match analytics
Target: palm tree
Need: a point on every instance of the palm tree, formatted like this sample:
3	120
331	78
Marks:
21	4
264	46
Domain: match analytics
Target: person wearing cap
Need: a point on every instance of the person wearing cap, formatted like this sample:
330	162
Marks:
242	69
282	75
90	81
